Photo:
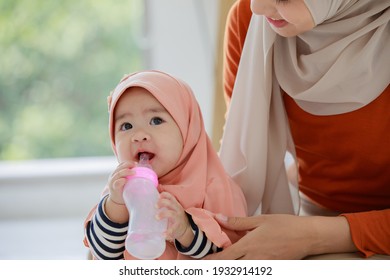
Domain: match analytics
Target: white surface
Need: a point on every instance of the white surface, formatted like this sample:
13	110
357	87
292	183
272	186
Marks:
44	239
181	36
43	205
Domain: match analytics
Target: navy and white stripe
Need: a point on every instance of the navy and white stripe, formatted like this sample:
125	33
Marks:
106	238
200	246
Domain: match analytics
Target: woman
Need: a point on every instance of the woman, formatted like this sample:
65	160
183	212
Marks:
313	79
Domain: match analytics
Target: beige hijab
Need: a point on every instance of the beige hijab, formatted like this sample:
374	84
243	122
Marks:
339	66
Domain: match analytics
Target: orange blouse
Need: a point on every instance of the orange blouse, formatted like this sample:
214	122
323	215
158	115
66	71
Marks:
344	160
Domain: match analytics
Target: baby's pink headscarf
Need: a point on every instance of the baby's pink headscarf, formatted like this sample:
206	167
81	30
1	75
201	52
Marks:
199	181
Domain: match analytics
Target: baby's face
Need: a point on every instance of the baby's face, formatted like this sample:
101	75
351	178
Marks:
143	125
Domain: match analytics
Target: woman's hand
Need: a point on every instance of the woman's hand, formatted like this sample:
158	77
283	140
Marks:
179	227
281	236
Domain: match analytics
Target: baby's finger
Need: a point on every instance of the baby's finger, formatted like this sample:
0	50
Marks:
165	213
167	195
119	184
125	172
121	173
124	165
128	164
169	204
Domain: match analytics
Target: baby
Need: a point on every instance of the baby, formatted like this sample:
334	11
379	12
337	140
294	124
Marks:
155	113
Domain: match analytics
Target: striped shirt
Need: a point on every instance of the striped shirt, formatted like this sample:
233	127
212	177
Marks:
107	239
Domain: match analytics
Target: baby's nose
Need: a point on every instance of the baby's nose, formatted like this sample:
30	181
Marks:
140	136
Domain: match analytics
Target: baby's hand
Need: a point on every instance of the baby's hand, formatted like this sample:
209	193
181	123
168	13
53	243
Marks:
117	181
178	225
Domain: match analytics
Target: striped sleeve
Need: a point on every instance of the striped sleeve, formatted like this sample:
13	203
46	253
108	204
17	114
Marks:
106	238
200	245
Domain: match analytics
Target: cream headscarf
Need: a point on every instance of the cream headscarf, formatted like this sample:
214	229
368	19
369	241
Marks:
199	181
339	66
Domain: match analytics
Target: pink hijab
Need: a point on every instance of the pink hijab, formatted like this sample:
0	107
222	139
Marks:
199	181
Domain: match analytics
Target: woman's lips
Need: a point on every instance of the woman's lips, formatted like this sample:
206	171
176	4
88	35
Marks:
278	23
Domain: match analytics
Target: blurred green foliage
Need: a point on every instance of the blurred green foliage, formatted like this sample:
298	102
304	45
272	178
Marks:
59	61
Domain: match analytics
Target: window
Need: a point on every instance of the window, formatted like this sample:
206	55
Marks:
60	60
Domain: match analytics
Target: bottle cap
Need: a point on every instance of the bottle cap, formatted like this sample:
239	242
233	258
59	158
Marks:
144	172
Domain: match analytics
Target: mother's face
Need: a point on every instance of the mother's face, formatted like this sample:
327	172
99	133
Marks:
286	17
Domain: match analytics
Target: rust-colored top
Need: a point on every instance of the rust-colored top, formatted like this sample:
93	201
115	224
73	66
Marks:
344	159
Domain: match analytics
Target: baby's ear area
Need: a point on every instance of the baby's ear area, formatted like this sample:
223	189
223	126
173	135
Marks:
109	99
125	76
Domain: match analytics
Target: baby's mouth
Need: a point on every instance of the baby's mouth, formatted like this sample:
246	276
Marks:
145	155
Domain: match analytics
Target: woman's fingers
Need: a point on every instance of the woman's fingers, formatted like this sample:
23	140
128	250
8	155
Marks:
233	252
239	223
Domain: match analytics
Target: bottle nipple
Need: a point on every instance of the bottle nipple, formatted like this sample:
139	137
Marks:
144	169
144	160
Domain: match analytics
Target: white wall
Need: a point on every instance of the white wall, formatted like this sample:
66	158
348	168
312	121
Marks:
181	36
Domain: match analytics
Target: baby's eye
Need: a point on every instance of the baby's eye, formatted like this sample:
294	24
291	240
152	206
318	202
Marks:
156	121
126	126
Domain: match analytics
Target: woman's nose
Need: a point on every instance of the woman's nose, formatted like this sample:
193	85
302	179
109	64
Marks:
263	7
140	136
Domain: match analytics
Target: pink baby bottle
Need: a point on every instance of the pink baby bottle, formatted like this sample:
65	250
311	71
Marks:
145	238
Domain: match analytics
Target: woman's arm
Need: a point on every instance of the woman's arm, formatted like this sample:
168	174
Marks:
294	237
370	231
281	236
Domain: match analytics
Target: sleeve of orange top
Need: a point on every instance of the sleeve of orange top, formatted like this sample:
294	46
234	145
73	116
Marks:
236	29
370	231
